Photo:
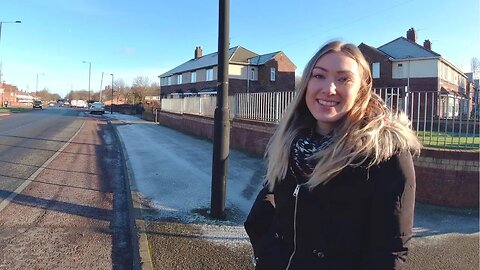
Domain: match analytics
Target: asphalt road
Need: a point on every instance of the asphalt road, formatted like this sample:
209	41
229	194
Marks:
63	198
28	140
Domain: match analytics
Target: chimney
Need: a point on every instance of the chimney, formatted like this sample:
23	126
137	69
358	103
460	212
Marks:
198	52
427	44
412	35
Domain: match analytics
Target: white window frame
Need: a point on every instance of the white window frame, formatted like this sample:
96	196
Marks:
179	79
193	77
273	72
376	70
209	74
169	80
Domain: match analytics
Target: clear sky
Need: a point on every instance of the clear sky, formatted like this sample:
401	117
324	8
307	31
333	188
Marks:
149	37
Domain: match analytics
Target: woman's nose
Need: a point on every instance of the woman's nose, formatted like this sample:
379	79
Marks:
330	88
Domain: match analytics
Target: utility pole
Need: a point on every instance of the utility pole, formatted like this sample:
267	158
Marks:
221	135
89	77
160	92
111	103
101	83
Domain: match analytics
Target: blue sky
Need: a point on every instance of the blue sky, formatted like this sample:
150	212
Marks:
149	37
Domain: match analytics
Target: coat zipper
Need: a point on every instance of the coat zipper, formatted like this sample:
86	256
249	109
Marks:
295	193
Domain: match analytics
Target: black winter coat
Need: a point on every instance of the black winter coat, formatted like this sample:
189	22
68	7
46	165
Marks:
360	219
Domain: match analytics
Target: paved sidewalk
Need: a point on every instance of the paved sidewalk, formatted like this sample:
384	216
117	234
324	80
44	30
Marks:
171	176
66	215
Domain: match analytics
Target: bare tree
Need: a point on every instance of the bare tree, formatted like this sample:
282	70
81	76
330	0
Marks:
45	95
120	89
139	89
475	65
153	89
77	94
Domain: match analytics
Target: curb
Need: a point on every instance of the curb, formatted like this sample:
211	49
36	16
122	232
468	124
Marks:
141	257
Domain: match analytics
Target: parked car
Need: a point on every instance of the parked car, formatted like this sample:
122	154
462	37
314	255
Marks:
97	107
37	104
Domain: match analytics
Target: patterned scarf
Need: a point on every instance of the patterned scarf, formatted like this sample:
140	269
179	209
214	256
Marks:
303	147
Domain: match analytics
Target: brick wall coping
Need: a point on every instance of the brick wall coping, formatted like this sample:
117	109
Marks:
458	154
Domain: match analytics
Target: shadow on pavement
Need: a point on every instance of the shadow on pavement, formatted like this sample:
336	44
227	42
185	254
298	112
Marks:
435	220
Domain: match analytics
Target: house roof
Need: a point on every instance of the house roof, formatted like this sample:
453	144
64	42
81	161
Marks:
262	59
402	48
373	49
236	54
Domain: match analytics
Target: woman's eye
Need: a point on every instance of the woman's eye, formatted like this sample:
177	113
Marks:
345	80
318	76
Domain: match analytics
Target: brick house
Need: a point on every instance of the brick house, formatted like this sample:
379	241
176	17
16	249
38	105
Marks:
248	72
404	62
11	96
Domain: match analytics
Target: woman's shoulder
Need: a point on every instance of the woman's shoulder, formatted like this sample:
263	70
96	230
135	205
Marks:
398	168
395	160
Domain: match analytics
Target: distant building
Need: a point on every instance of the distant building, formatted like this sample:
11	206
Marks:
248	72
10	95
473	90
404	62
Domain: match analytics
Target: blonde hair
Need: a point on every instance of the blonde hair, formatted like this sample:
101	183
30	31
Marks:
368	132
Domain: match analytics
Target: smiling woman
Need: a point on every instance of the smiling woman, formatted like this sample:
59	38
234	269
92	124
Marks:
340	183
332	89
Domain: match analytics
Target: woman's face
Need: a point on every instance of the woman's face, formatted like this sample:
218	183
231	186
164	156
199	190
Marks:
332	89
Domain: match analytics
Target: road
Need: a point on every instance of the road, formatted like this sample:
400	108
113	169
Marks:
63	200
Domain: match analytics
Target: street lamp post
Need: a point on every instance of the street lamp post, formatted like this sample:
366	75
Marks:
221	129
101	84
89	76
111	103
160	93
6	22
36	87
1	39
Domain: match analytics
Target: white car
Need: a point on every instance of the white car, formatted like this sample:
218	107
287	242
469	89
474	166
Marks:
97	107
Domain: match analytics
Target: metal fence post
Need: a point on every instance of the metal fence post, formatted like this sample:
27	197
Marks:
404	98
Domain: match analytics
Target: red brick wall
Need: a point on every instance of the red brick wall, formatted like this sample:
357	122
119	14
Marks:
444	177
449	178
251	136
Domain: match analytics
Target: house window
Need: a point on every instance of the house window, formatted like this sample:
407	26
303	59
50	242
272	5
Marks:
169	81
272	74
180	79
252	74
194	77
376	70
209	75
